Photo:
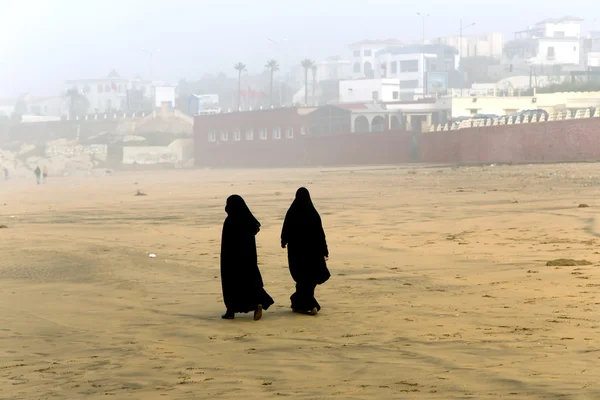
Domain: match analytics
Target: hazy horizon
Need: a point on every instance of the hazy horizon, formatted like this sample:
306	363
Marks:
42	44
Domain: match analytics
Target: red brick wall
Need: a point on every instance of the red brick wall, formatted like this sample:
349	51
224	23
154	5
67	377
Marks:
573	140
350	149
260	119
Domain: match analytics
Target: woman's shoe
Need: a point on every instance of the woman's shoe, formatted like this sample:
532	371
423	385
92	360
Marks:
258	312
228	315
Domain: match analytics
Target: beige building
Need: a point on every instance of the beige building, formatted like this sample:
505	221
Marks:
506	105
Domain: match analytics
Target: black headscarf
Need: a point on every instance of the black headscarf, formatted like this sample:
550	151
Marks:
237	209
302	207
302	220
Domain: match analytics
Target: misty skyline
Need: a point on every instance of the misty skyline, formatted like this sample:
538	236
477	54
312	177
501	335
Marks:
44	43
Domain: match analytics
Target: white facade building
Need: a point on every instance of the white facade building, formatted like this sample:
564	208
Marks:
204	104
115	93
402	73
7	109
164	94
590	51
412	65
49	107
333	69
409	69
549	42
364	58
384	90
484	45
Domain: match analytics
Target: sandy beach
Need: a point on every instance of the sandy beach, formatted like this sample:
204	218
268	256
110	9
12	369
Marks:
439	288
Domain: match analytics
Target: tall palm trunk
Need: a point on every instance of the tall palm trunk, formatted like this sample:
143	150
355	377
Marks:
271	88
314	86
239	93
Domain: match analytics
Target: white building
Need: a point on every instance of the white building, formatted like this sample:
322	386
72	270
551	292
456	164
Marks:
364	58
414	66
49	106
116	93
403	73
327	74
7	108
28	105
203	104
590	51
484	45
333	69
165	94
380	90
549	42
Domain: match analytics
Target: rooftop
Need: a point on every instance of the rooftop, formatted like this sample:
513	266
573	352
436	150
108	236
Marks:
384	42
560	20
418	49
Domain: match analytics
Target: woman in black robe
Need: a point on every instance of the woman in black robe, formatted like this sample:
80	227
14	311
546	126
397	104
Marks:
304	237
240	277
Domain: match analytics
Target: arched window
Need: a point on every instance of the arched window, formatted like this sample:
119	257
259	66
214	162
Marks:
378	124
361	124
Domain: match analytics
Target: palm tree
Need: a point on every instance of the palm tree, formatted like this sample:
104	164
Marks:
239	67
273	66
306	64
314	86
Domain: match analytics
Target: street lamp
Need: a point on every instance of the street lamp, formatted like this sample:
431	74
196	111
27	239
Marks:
460	46
423	16
151	54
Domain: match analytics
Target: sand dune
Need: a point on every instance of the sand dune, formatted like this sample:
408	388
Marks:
440	288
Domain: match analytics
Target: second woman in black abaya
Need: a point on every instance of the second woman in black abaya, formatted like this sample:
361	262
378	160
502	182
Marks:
304	237
240	277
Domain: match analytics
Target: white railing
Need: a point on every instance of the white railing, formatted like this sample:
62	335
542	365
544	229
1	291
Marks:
107	116
515	120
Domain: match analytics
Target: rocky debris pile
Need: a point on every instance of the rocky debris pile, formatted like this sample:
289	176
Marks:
62	158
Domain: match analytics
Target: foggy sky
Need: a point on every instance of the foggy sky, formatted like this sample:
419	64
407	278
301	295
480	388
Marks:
45	42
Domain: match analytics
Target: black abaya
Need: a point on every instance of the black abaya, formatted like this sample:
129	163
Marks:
304	237
240	277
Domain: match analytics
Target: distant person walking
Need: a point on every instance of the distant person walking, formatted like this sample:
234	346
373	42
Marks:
240	277
38	173
45	173
304	237
5	173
